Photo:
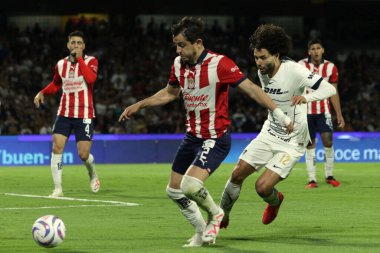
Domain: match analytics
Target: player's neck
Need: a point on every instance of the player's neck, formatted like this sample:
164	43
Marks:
277	65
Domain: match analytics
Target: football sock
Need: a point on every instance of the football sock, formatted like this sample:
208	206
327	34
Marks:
90	165
329	161
194	189
310	164
56	170
229	196
272	199
188	208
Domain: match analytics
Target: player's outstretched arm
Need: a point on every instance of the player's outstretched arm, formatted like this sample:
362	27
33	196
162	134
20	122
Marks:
324	90
164	96
256	93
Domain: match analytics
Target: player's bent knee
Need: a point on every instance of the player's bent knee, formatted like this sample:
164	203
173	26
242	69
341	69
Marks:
237	177
84	156
262	188
190	185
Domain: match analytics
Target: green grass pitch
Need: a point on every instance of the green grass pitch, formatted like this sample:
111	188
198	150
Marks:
325	219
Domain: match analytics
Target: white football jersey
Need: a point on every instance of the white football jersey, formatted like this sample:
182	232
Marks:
291	79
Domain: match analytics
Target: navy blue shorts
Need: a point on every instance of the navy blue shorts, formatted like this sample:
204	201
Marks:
83	128
319	123
204	153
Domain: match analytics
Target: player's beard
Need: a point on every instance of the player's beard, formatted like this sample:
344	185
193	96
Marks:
189	59
268	69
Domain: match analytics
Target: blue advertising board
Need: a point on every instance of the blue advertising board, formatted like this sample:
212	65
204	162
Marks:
160	148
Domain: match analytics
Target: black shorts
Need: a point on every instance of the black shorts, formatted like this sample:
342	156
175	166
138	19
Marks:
204	153
319	123
83	128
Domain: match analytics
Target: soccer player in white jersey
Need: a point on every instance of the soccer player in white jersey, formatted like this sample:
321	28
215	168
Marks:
319	114
204	78
76	75
275	151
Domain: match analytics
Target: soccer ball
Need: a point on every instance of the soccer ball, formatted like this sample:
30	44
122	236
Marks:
48	231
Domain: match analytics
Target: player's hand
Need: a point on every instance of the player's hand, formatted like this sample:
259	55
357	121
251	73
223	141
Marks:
128	112
340	121
297	100
39	99
76	53
290	127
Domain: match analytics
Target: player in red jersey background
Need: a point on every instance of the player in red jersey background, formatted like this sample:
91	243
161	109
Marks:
319	114
76	75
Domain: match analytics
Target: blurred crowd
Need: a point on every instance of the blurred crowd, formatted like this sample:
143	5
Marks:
135	61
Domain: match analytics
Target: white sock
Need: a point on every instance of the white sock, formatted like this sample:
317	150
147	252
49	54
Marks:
194	189
188	208
229	196
56	170
329	161
310	164
90	165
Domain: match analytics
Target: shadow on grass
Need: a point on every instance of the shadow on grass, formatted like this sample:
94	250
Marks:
304	236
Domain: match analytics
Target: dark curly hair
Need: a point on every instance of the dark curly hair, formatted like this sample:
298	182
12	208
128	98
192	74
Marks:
272	38
192	28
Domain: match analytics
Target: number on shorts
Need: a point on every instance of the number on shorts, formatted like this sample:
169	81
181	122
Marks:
285	159
87	128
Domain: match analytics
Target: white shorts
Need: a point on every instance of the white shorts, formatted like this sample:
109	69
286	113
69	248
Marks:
268	152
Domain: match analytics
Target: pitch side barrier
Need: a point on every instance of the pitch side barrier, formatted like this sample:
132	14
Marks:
160	148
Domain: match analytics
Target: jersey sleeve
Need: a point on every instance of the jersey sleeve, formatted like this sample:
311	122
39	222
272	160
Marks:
173	79
90	70
229	72
306	78
334	75
55	85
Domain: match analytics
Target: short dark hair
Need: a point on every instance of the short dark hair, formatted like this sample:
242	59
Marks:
192	28
314	41
271	37
77	34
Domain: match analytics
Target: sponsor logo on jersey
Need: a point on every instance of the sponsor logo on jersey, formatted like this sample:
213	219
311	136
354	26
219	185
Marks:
275	91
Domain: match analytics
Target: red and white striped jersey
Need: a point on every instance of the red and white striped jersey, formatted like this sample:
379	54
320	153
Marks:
205	88
77	93
329	72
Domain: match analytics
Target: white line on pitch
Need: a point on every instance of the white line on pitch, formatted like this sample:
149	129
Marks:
52	207
73	199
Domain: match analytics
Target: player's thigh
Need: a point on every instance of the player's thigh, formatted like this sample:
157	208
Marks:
312	120
59	142
186	154
83	129
324	123
212	153
257	154
63	126
284	159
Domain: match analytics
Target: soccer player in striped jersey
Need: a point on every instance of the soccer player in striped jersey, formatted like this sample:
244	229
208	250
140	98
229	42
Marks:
204	78
76	75
275	151
319	114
